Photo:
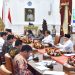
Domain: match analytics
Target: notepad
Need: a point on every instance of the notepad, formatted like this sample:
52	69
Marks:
67	65
41	63
30	58
53	73
42	68
72	54
45	62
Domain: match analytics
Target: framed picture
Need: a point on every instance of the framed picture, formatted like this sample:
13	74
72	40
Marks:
29	14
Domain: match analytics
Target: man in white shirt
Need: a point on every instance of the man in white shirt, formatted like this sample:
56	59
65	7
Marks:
48	38
2	41
68	44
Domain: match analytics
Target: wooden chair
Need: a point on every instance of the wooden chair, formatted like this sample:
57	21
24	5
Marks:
4	71
56	40
74	47
9	63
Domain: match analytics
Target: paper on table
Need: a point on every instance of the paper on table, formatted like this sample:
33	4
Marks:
30	58
46	62
34	48
49	61
42	68
45	54
59	46
53	73
41	63
66	64
70	54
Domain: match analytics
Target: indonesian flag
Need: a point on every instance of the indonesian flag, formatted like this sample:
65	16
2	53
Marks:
2	13
9	15
3	10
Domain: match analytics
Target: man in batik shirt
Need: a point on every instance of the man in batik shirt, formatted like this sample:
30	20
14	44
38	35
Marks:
16	49
20	61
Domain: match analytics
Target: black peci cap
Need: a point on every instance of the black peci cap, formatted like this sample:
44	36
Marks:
67	35
10	37
26	48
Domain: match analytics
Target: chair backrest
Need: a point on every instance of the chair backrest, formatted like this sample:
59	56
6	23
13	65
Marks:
9	63
74	47
4	70
56	40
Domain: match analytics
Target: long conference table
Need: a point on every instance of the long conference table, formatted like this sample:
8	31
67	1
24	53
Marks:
60	65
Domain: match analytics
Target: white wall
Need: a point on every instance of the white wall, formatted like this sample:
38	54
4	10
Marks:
42	7
41	11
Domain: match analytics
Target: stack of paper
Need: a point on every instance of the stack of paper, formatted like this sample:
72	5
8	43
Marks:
53	73
30	58
67	65
42	68
72	54
46	62
41	64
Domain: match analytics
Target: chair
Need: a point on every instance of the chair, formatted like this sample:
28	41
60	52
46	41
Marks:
4	71
74	47
56	40
9	63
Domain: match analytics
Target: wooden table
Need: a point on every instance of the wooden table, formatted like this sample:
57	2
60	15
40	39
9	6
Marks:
57	67
60	59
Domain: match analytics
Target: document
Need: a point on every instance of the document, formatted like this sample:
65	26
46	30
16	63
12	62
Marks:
53	73
45	62
72	54
42	68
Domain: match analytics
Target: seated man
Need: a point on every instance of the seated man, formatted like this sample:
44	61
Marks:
40	35
8	44
68	44
20	61
30	34
48	38
15	50
3	37
8	31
